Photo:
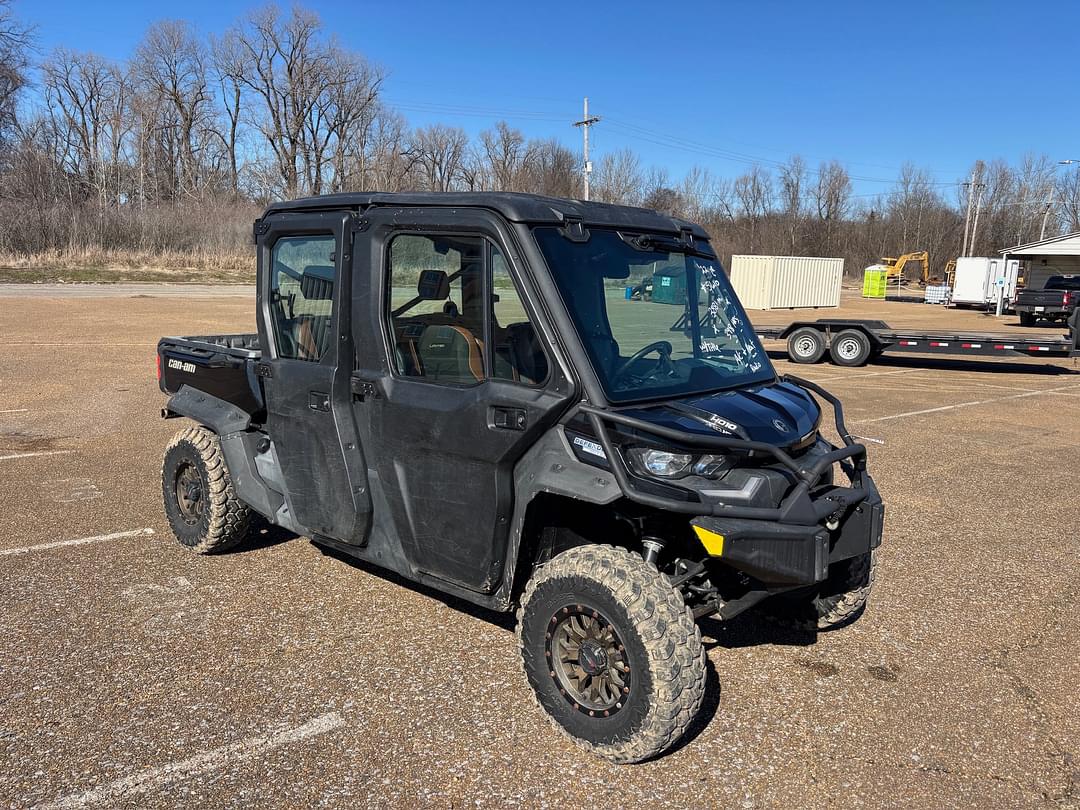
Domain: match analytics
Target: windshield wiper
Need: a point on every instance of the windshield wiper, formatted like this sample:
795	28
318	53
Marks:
650	242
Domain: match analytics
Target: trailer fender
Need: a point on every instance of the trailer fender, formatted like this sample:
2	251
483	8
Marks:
551	467
220	416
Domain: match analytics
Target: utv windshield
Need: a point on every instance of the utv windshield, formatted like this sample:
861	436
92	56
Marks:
655	322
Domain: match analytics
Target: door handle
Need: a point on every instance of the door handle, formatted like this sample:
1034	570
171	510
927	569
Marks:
508	418
318	401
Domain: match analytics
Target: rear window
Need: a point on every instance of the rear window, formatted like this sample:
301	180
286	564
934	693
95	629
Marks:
1063	283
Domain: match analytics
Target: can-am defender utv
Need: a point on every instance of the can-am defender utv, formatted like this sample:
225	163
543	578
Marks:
459	388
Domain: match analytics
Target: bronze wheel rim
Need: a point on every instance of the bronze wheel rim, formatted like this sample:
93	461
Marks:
588	661
190	494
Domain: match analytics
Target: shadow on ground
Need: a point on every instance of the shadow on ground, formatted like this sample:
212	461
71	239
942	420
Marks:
751	629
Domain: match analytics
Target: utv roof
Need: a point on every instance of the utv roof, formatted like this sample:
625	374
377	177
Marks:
529	208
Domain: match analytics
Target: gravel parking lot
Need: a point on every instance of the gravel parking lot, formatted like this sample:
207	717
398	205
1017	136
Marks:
133	673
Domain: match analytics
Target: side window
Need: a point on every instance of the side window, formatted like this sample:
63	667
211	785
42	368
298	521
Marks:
519	355
439	316
436	307
302	295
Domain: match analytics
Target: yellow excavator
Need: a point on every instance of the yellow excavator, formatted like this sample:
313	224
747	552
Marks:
894	267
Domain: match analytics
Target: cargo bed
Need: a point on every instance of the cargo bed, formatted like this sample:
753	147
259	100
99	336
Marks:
223	366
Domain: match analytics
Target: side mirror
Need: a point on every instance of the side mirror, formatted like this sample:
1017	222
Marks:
434	285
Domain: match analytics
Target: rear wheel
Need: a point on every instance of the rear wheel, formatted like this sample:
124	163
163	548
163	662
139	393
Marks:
611	652
203	511
806	345
1027	318
850	347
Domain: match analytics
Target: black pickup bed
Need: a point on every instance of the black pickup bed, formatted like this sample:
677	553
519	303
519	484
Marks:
1053	300
220	365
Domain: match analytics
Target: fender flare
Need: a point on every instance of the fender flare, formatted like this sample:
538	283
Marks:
220	416
550	467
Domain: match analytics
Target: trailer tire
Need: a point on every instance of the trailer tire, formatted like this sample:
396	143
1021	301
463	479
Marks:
850	347
642	640
837	602
200	503
806	345
1027	319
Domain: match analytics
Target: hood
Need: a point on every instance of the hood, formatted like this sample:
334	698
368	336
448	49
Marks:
778	413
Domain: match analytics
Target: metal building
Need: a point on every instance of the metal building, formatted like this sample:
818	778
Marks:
1057	256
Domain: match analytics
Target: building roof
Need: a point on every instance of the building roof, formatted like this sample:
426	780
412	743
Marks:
1067	245
531	208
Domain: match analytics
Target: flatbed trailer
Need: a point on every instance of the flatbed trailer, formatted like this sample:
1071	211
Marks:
851	342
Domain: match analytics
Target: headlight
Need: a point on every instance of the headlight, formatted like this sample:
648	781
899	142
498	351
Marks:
666	464
710	466
661	463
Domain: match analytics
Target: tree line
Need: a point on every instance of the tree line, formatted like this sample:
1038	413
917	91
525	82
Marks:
177	148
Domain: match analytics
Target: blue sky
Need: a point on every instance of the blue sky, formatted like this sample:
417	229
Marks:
716	84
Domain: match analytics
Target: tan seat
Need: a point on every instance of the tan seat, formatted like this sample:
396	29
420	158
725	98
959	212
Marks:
451	354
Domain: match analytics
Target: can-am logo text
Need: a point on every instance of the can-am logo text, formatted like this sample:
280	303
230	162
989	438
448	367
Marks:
182	366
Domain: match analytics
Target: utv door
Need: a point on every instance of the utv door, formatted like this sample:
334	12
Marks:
306	363
448	399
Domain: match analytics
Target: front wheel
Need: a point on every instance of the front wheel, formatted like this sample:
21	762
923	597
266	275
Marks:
611	652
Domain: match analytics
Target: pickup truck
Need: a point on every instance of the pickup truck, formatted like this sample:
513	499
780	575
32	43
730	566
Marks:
1054	302
455	387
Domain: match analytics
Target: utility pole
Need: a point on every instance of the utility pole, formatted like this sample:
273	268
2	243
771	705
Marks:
978	207
1046	213
967	219
585	123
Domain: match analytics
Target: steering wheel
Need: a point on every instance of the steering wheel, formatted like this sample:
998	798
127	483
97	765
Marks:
664	361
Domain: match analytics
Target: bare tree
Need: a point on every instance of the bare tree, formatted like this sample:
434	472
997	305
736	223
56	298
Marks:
754	193
80	91
1068	192
229	64
15	42
170	69
440	152
792	203
832	199
619	178
506	154
553	169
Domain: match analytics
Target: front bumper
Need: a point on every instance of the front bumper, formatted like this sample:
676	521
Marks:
785	554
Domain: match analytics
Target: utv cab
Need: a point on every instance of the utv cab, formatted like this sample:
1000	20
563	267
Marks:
458	388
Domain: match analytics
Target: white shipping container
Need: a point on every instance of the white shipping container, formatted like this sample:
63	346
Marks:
787	282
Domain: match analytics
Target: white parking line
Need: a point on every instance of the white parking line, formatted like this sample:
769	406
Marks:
78	542
15	410
200	763
967	404
35	453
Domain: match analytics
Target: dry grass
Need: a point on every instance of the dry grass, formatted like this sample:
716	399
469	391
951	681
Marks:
100	264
